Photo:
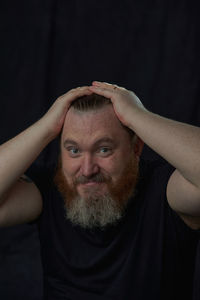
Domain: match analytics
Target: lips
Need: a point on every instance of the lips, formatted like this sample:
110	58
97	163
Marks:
90	183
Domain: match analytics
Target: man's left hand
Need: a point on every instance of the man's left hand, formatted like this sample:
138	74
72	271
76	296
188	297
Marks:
125	102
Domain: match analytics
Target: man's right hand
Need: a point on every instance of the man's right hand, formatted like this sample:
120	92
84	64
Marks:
55	116
21	201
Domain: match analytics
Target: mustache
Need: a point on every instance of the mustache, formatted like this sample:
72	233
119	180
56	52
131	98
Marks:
98	178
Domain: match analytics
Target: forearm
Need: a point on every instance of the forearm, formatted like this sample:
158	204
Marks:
17	154
178	143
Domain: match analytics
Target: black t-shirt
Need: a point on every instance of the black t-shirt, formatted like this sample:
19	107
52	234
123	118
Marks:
149	254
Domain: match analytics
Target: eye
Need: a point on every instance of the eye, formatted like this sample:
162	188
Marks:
105	151
73	151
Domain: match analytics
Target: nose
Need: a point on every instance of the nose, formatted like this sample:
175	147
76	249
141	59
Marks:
88	165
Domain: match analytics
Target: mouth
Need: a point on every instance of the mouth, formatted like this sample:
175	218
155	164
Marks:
90	183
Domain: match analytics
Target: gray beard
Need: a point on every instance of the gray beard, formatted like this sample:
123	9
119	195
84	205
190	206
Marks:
96	208
95	211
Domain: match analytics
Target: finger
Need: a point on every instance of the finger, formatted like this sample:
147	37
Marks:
105	85
79	93
76	92
71	96
78	89
108	93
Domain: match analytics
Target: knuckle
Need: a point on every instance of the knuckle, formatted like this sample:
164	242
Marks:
59	98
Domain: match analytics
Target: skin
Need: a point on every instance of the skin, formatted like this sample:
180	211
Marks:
17	154
21	202
85	150
178	143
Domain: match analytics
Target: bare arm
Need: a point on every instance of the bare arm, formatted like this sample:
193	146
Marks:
177	142
21	201
17	154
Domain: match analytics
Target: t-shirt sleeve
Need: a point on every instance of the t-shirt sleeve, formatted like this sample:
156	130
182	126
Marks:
163	171
42	176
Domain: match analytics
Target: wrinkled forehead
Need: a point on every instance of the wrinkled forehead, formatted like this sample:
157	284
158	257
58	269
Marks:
93	123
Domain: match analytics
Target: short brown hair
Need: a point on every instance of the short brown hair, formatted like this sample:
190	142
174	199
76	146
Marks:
94	102
90	102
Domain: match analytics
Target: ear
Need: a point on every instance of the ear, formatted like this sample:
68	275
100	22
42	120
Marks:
138	146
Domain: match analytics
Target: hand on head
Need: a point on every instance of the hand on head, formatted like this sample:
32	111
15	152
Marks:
55	116
125	102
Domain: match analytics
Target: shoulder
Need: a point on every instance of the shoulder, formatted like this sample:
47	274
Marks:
155	172
42	175
152	182
157	175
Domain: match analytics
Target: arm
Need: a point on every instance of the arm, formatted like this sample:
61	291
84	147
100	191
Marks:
20	201
178	143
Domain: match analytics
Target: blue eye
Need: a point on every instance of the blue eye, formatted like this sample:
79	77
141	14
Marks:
73	151
104	150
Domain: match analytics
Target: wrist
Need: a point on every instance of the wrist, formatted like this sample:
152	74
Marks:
137	117
43	127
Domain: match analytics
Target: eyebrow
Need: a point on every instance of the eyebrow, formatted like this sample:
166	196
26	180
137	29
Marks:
68	141
104	140
100	141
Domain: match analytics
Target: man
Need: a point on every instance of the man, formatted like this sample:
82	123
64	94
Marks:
111	226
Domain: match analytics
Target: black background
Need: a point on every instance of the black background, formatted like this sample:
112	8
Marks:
49	47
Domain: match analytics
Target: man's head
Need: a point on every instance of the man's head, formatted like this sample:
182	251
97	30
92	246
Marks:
98	166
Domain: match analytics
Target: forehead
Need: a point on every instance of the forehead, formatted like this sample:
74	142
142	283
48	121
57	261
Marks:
89	126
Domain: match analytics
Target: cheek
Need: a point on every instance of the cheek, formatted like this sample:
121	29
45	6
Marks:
111	166
70	166
117	164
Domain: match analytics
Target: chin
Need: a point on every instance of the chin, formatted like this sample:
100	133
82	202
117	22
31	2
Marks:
100	202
